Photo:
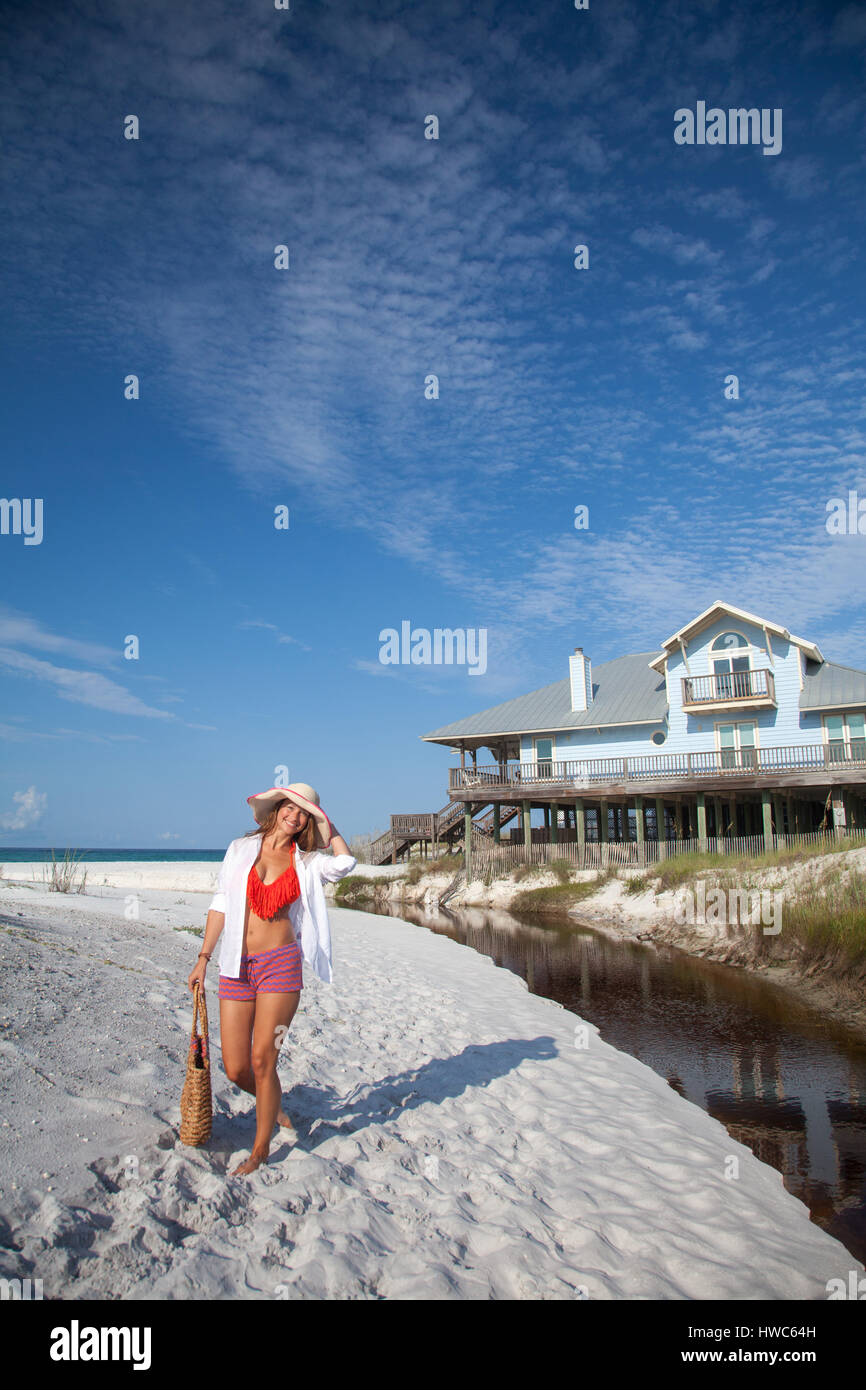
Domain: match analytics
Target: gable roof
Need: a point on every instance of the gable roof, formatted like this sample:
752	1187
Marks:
716	610
832	687
625	691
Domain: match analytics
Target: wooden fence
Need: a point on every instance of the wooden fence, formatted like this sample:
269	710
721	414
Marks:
488	859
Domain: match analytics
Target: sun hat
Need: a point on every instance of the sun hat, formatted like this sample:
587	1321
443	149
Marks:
303	795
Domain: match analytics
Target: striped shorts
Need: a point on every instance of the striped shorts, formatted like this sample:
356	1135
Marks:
269	972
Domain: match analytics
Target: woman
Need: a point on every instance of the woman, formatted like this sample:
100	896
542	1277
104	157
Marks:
271	902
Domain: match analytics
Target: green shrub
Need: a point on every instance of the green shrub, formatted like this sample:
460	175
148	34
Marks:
638	883
354	890
555	899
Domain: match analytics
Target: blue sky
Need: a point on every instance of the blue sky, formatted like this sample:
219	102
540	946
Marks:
305	387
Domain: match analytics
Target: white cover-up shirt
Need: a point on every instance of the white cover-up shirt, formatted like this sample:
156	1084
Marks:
308	914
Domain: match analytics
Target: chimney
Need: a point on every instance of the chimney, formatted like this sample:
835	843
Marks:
580	673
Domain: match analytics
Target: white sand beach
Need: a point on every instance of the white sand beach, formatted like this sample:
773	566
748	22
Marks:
456	1136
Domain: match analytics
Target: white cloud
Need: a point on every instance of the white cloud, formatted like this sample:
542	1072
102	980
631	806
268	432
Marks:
30	807
83	687
413	256
282	637
687	250
19	630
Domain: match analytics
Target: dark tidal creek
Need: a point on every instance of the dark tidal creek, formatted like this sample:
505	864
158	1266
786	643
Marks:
780	1076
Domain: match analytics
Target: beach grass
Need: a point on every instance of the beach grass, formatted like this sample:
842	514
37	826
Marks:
670	874
61	875
443	864
827	918
823	915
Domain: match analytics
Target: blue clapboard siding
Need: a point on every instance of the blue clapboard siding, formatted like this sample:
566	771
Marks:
586	743
776	727
686	731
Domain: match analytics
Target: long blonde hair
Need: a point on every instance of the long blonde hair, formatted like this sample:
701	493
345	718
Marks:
305	839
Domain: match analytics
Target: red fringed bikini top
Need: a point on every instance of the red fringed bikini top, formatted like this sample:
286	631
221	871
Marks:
266	899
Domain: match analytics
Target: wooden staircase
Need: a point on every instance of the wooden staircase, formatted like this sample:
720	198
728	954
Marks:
485	823
443	827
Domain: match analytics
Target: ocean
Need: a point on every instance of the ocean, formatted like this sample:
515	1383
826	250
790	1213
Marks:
11	854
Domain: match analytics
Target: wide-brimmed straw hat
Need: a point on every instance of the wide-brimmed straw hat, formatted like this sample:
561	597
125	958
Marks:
303	795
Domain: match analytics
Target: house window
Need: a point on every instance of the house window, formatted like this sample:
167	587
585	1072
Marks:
845	736
730	653
737	743
659	736
544	757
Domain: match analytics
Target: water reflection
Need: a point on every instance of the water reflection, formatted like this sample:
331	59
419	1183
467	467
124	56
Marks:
782	1078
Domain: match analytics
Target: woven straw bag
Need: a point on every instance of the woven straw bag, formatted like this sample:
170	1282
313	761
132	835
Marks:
196	1107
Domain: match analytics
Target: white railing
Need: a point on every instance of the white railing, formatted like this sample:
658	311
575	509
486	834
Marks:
725	686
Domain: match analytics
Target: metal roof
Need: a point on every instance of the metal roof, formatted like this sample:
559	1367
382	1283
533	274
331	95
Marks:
830	686
625	691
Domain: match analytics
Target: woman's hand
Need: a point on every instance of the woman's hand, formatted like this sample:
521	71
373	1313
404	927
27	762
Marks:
336	842
198	972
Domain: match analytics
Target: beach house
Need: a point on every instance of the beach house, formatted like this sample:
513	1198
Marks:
732	727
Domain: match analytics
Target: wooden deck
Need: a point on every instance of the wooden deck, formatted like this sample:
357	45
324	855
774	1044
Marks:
655	774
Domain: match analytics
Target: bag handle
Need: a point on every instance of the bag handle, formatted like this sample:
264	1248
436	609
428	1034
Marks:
199	1005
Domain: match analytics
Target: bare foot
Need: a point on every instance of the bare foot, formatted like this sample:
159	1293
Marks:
250	1164
283	1119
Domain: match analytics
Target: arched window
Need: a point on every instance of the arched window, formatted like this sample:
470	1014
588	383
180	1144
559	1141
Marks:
728	640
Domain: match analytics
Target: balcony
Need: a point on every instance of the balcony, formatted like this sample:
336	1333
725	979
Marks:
726	690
